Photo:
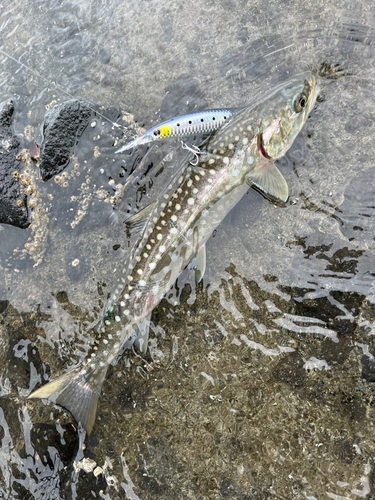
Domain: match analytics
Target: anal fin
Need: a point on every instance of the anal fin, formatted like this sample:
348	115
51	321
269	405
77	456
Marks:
142	331
199	263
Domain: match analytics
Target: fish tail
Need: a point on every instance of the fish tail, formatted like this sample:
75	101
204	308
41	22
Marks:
78	391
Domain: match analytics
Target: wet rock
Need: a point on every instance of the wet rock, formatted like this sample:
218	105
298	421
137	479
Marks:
63	126
63	440
12	201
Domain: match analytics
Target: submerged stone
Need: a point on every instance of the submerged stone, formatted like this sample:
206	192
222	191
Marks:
13	208
63	126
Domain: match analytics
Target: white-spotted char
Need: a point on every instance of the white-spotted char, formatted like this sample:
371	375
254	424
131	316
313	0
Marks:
174	229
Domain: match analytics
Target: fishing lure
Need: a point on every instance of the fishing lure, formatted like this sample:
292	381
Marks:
201	122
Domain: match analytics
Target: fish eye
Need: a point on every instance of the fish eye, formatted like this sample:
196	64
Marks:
300	102
157	132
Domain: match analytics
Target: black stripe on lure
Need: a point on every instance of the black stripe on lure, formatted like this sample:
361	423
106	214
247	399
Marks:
201	122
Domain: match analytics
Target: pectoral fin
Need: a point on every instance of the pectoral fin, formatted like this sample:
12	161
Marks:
141	342
268	179
138	221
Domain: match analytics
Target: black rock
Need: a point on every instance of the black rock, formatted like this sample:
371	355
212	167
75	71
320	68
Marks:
13	204
63	126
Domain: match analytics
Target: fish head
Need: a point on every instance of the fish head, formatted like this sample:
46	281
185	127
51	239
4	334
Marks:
285	113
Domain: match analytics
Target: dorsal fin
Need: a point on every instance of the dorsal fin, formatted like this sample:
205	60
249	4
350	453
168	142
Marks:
138	221
268	179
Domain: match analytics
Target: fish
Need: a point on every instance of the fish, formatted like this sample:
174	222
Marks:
201	122
174	228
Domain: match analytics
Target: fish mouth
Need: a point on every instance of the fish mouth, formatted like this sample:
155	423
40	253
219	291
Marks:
260	146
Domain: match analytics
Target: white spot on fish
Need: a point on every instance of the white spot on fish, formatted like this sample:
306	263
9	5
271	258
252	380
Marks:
196	177
162	248
105	341
250	160
237	138
138	259
140	271
191	201
245	140
211	161
159	236
145	255
130	278
178	207
117	318
189	183
122	304
226	160
141	283
152	265
231	146
174	217
212	171
148	246
166	196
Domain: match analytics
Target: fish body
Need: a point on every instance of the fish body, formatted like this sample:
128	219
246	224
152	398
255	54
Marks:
201	122
174	228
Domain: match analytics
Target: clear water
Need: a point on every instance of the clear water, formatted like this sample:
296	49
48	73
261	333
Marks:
259	383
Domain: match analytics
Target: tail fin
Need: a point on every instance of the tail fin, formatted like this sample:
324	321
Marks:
78	391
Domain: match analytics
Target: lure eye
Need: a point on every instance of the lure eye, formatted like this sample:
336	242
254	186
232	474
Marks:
157	132
300	102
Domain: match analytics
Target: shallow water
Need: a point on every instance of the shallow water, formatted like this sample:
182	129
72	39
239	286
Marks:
259	382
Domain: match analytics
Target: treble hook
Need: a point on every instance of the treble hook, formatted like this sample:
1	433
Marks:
193	149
